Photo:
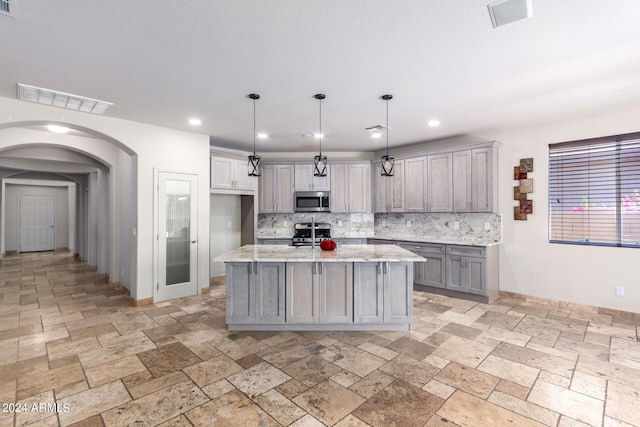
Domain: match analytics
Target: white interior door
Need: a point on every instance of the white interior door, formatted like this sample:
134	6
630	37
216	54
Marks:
37	223
177	235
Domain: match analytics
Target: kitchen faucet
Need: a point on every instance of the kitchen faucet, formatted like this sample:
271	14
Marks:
313	233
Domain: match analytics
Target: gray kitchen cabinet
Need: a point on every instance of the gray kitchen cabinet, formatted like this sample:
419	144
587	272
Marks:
230	173
306	181
439	183
350	241
383	292
415	178
276	189
466	269
432	272
351	188
318	292
255	292
390	190
277	241
475	180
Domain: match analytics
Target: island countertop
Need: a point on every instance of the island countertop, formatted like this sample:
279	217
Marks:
344	253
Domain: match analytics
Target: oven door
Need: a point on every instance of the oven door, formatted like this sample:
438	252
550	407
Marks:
311	201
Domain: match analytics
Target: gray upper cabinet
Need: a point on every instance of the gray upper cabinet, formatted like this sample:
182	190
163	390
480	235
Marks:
276	189
390	190
306	181
462	200
415	178
475	180
439	183
230	173
351	188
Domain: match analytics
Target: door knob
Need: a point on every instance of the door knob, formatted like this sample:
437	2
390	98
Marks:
193	241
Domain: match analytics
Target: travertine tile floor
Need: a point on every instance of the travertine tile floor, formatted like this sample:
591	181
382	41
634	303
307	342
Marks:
74	352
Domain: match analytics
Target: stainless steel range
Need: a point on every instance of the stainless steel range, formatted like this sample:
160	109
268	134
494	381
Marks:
305	230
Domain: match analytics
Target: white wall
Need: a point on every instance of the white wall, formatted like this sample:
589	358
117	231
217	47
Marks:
528	263
13	213
225	211
157	148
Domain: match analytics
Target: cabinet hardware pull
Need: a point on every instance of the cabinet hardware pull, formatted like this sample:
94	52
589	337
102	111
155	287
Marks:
313	268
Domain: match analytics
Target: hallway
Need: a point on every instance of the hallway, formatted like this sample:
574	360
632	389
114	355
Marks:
66	336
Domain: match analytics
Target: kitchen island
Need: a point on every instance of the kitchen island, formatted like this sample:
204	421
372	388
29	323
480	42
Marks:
355	287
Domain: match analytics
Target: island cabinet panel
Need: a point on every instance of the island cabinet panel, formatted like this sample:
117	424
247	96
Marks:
255	292
398	292
336	292
302	293
368	287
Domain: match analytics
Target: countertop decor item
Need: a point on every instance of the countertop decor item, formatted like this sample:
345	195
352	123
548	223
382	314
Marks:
328	245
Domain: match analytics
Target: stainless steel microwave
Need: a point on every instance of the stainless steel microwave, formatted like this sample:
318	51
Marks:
312	201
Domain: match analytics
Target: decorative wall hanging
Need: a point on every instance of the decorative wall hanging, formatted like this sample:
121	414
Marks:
520	192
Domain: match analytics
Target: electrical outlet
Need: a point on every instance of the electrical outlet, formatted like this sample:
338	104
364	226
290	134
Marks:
456	225
619	291
286	223
408	224
487	226
339	223
384	222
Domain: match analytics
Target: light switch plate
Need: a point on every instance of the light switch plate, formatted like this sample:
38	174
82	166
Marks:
487	226
456	225
408	224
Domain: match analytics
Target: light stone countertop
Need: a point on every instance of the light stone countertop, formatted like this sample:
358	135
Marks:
344	253
411	239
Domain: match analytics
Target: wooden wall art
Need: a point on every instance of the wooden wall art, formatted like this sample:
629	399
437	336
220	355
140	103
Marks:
520	192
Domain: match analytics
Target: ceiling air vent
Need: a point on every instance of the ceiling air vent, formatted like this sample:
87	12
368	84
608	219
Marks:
503	12
5	7
60	99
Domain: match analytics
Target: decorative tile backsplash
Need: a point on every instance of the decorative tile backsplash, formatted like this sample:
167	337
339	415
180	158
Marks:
419	227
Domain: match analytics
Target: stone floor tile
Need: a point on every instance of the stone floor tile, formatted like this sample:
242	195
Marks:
218	388
9	351
554	379
93	401
351	358
115	351
467	379
437	421
345	378
371	384
469	411
156	407
377	350
412	348
625	352
410	370
581	347
39	382
436	361
439	389
522	407
567	402
328	401
610	371
307	421
623	403
291	388
553	351
513	389
589	385
212	370
179	421
228	410
474	353
613	331
351	421
462	331
498	334
279	407
612	422
535	359
94	421
399	404
139	390
111	371
33	411
514	372
258	379
168	358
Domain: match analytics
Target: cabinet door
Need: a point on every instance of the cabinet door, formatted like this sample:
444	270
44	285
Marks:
267	189
302	293
439	183
396	189
456	273
303	177
222	172
240	293
415	177
462	200
336	292
242	179
359	199
284	188
398	292
339	188
382	189
482	179
368	293
477	275
432	272
269	291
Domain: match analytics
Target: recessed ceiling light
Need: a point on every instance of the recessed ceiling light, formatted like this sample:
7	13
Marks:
433	123
318	135
262	136
195	122
376	135
58	129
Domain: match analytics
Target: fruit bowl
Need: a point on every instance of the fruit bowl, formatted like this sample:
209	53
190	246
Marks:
328	245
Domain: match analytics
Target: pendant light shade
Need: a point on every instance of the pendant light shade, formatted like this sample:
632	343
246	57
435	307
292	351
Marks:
320	161
387	161
253	165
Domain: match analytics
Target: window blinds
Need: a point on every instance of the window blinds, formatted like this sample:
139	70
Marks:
594	191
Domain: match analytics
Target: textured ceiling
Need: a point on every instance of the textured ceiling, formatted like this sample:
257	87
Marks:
162	62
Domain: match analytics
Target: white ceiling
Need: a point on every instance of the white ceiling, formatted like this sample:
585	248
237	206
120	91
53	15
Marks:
162	62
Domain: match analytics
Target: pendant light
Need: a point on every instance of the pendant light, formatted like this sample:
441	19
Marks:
320	161
386	160
253	165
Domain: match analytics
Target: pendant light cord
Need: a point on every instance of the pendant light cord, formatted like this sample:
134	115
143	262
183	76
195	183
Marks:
387	128
320	134
254	128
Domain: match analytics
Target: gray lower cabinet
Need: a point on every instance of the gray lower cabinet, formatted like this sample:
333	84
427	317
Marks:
275	241
432	272
383	292
255	292
467	269
318	292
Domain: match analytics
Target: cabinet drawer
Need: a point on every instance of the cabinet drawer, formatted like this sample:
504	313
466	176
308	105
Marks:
423	248
380	242
474	251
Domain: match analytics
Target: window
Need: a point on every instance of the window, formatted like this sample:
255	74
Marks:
594	191
4	6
